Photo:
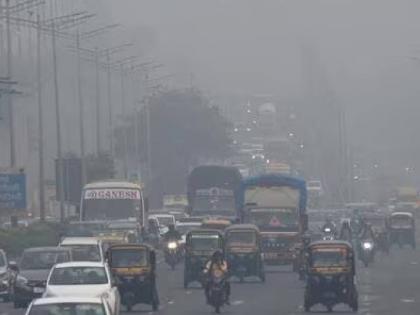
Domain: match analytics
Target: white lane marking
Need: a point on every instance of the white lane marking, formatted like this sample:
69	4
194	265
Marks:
160	261
171	302
188	292
414	263
408	300
237	302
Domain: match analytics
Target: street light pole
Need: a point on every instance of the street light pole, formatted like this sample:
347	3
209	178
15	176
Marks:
111	129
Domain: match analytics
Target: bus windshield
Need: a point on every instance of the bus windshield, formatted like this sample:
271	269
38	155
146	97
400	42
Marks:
269	219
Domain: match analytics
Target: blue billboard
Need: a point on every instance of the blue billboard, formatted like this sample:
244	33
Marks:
12	192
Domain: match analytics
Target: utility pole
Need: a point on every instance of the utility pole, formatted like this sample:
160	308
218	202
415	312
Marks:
110	120
125	135
98	103
81	112
58	124
9	97
41	182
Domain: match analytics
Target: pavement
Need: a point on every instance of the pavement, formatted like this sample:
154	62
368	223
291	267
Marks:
391	285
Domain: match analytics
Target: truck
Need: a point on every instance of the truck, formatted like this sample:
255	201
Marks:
277	205
212	190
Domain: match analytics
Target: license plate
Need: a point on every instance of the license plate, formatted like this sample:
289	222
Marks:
39	290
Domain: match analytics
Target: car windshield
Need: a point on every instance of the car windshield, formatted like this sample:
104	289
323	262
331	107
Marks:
205	242
327	258
78	276
241	238
68	309
165	221
32	260
275	219
85	252
128	258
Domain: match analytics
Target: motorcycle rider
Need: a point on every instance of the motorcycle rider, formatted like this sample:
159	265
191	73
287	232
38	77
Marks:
346	232
329	224
216	263
172	234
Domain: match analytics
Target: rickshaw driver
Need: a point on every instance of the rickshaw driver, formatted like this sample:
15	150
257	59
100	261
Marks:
217	264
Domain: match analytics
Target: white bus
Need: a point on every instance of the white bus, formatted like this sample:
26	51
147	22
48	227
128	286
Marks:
112	200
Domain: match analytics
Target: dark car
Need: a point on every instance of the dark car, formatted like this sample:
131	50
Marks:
32	272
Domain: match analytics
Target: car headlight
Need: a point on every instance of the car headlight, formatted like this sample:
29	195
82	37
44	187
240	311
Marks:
21	281
172	245
367	245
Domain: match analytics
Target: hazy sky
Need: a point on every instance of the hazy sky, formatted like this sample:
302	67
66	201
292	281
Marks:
255	46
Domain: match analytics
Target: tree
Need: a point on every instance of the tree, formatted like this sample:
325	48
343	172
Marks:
183	130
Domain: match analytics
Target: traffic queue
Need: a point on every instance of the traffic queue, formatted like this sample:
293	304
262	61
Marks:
231	229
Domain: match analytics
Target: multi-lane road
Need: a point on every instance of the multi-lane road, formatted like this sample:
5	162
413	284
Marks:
390	286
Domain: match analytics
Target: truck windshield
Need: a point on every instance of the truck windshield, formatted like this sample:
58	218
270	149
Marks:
110	204
214	204
275	219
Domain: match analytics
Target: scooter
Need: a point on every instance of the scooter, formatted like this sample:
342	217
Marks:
172	254
367	252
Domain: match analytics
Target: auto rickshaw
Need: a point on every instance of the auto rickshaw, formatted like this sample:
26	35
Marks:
402	229
243	251
199	247
215	224
330	275
133	267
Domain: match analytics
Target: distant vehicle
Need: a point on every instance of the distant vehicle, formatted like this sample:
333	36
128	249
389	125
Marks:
6	275
83	279
184	227
32	272
84	248
276	204
69	305
213	190
175	202
362	207
112	200
315	193
164	220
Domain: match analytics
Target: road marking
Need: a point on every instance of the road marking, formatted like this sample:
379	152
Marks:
171	302
237	302
188	292
414	263
407	300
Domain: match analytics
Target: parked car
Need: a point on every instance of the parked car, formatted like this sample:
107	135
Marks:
32	273
83	279
84	248
69	305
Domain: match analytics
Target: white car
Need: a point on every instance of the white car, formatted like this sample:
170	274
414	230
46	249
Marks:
84	248
83	279
69	305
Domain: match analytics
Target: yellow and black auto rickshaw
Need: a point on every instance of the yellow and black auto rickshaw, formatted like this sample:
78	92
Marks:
133	267
199	247
243	252
402	229
330	278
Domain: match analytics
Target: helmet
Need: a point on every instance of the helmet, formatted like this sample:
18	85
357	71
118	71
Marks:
217	256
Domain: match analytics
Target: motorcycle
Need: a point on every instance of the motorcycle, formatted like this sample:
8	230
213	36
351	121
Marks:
367	252
172	254
328	234
217	291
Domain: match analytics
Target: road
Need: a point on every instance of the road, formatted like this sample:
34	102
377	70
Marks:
389	286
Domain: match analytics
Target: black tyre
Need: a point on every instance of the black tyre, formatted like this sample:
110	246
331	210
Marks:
217	309
185	281
6	298
355	306
129	307
329	308
155	306
262	277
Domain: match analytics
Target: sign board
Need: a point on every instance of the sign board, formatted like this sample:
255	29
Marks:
12	192
114	193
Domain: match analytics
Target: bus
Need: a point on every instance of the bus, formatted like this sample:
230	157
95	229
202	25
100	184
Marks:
277	205
212	190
